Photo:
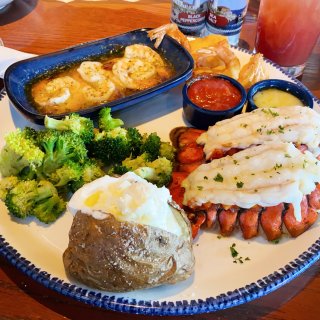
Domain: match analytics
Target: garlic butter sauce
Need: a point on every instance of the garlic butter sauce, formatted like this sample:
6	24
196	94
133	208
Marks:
275	98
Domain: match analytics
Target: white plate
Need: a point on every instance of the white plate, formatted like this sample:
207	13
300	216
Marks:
217	282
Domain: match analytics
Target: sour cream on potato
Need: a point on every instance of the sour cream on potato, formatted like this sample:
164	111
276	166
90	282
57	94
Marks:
128	198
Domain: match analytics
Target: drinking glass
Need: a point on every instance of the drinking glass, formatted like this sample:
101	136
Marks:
287	31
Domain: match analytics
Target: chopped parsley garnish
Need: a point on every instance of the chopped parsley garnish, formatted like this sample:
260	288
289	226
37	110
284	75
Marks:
287	155
247	157
218	178
239	184
234	252
304	164
244	125
270	132
235	161
269	111
200	188
205	178
277	166
281	129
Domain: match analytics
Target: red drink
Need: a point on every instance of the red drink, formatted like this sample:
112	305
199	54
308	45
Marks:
287	30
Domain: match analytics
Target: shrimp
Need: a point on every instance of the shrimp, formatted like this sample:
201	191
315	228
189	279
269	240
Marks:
101	83
171	30
92	71
135	73
56	91
144	53
100	92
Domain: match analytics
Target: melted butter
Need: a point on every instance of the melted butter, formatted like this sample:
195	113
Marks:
275	98
92	199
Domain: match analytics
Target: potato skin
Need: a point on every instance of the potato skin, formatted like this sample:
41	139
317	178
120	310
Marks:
120	256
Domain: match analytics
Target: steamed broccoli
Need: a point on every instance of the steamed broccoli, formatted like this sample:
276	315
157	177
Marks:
20	153
157	171
151	145
130	164
106	122
80	125
60	147
115	145
167	150
69	172
38	198
6	184
91	170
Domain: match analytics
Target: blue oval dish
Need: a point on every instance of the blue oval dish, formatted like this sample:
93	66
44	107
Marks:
203	118
21	73
283	85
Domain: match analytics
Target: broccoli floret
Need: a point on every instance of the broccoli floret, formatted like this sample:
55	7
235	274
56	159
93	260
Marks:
20	153
106	122
129	164
167	150
158	171
80	125
49	206
38	198
6	184
70	171
135	140
60	147
30	134
91	170
115	145
151	145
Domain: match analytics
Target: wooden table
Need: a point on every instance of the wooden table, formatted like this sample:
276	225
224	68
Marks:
42	26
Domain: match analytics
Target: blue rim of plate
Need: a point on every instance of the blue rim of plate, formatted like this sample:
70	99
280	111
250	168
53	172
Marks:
226	300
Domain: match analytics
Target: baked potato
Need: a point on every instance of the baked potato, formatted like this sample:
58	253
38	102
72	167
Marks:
112	254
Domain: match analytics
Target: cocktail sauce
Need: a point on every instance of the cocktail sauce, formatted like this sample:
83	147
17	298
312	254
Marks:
215	94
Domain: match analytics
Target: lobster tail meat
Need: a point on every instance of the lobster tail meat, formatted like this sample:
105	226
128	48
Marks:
228	220
271	221
314	198
261	167
264	175
249	222
176	190
285	124
212	215
308	214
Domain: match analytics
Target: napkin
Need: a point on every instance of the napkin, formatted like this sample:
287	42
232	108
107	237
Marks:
8	56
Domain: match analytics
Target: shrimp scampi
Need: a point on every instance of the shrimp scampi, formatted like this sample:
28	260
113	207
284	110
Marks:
91	83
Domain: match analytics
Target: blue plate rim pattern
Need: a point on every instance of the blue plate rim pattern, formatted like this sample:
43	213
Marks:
230	299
